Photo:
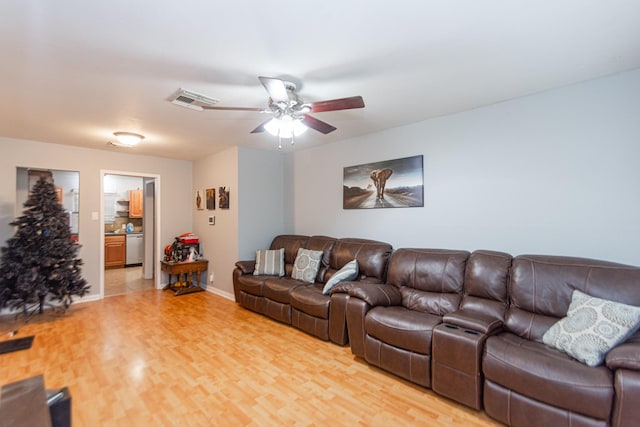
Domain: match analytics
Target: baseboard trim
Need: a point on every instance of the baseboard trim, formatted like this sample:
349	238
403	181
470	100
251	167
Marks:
223	294
88	298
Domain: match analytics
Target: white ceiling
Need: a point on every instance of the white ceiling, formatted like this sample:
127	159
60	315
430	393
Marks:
73	72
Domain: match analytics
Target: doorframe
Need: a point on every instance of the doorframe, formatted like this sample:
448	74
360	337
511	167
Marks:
157	224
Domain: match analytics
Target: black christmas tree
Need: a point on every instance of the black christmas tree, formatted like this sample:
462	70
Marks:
40	260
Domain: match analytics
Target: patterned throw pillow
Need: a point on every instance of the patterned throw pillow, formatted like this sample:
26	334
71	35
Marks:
269	263
592	327
348	272
306	265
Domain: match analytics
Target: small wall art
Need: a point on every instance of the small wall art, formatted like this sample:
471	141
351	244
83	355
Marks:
223	197
210	197
199	200
397	183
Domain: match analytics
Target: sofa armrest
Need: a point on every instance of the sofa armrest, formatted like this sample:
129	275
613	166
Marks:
626	411
474	321
246	267
624	356
374	294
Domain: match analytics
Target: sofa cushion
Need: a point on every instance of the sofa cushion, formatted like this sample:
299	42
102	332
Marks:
310	300
325	245
541	287
548	375
251	284
348	272
291	243
279	288
306	265
592	327
269	262
430	280
403	328
372	257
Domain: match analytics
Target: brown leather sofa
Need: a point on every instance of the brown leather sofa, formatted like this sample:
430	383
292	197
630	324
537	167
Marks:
529	383
467	325
250	291
391	325
301	304
458	343
324	316
471	326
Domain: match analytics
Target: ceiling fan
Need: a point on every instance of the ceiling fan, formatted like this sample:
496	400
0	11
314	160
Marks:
290	113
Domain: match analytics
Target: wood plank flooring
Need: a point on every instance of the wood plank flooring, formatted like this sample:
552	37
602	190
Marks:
119	281
148	358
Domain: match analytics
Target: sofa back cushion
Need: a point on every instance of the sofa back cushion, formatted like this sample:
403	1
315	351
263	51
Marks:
372	257
485	283
291	244
325	245
430	280
541	286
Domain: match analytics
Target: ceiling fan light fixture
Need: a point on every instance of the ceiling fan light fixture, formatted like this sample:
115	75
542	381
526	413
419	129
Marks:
286	127
128	139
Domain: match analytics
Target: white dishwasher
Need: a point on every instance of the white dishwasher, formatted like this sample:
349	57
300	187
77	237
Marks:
135	249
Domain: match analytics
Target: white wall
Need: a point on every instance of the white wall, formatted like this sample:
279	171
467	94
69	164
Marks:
219	242
121	185
175	200
262	195
255	214
552	173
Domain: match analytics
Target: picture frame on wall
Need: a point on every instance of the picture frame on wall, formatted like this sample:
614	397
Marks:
223	197
199	199
397	183
210	198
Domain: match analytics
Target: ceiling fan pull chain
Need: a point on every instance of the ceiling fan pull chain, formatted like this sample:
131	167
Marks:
279	140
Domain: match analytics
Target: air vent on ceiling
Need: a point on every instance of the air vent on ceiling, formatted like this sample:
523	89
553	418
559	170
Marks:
193	100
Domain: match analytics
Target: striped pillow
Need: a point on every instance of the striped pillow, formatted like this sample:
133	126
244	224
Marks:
269	263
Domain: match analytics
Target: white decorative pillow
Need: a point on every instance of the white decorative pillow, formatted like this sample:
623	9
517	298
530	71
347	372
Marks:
269	263
306	265
348	272
592	327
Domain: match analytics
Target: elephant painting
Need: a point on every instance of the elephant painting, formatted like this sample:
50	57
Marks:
404	190
380	177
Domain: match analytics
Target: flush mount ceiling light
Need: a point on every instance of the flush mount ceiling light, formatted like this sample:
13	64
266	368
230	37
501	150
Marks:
127	139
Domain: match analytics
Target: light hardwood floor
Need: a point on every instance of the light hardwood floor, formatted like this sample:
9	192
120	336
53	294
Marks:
148	358
119	281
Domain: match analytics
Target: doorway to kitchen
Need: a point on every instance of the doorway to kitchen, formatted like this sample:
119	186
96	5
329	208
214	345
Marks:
130	224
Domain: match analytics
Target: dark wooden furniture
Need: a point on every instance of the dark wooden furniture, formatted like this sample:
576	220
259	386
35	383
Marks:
184	272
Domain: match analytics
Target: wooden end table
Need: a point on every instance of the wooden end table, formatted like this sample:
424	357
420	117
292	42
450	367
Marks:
186	269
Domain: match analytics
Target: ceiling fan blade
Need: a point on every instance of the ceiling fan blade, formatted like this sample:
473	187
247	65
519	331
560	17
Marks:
260	128
275	88
208	107
318	125
337	104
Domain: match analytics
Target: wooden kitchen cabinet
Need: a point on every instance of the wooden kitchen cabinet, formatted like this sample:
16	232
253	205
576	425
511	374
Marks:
115	251
135	203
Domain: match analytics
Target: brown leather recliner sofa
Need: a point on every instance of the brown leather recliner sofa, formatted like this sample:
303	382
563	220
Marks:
303	305
470	326
529	383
